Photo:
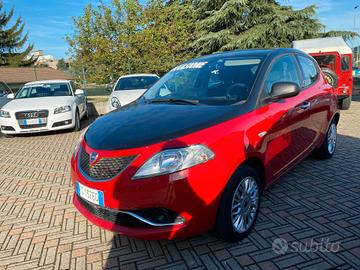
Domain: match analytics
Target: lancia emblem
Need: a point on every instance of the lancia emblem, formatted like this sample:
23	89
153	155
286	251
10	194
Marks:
93	157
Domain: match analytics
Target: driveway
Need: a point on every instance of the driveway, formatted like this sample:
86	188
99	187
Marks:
309	219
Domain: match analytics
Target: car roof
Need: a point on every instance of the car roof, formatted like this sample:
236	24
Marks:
139	74
262	53
48	81
321	45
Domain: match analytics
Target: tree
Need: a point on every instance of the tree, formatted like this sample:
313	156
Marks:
347	35
168	34
12	41
126	37
240	24
62	65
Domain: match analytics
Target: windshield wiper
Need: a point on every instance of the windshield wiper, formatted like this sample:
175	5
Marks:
174	100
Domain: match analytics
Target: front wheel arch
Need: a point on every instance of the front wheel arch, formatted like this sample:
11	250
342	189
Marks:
223	226
258	166
336	118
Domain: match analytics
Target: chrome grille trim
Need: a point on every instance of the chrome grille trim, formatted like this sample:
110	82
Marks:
23	114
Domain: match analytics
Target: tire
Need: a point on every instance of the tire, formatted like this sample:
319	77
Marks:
86	115
345	103
8	136
227	220
77	126
331	77
328	147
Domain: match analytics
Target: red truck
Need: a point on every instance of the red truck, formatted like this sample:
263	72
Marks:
334	57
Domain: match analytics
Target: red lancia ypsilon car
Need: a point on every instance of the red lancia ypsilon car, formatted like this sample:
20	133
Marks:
197	150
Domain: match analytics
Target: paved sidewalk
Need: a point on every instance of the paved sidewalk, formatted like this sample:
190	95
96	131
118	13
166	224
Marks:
40	229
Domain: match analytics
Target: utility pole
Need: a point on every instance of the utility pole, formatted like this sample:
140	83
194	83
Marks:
36	78
356	49
84	77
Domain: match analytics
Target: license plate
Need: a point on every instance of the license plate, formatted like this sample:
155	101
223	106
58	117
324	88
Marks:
35	121
89	194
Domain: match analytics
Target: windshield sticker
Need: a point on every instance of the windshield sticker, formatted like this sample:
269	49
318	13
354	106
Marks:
33	85
194	65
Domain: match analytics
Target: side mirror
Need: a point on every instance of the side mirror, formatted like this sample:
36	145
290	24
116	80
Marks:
10	96
79	92
109	87
281	90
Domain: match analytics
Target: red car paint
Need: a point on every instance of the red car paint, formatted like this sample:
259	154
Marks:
278	135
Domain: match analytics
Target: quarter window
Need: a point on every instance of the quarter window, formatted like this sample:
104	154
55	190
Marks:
309	69
283	70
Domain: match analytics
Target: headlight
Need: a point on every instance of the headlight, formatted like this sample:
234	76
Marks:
4	114
62	109
115	102
173	160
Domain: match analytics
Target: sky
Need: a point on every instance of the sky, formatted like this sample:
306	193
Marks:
49	21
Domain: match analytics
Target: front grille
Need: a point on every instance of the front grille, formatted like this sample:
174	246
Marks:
32	126
111	215
105	168
32	114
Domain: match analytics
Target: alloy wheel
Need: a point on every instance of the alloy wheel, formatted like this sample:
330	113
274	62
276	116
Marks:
245	204
331	138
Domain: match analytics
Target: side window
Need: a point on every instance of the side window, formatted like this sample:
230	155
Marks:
345	63
309	69
283	70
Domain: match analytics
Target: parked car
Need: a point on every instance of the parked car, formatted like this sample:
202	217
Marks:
334	57
198	149
356	72
42	106
4	91
129	88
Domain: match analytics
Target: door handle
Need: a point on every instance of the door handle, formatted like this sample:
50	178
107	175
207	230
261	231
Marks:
305	105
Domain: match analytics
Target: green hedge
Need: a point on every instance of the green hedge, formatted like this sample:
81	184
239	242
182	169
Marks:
96	91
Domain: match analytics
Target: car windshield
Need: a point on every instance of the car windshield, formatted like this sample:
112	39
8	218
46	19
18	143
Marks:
44	90
135	83
218	82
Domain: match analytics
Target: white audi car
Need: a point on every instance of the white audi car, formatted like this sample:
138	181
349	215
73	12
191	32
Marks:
44	106
129	88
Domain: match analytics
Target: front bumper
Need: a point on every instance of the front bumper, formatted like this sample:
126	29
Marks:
54	122
192	194
126	225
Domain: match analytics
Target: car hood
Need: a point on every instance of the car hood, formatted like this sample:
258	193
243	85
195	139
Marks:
141	124
42	103
127	96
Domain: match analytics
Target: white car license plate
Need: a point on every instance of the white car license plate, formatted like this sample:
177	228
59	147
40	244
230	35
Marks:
89	194
35	121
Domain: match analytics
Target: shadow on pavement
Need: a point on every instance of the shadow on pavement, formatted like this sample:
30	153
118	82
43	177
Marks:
305	199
